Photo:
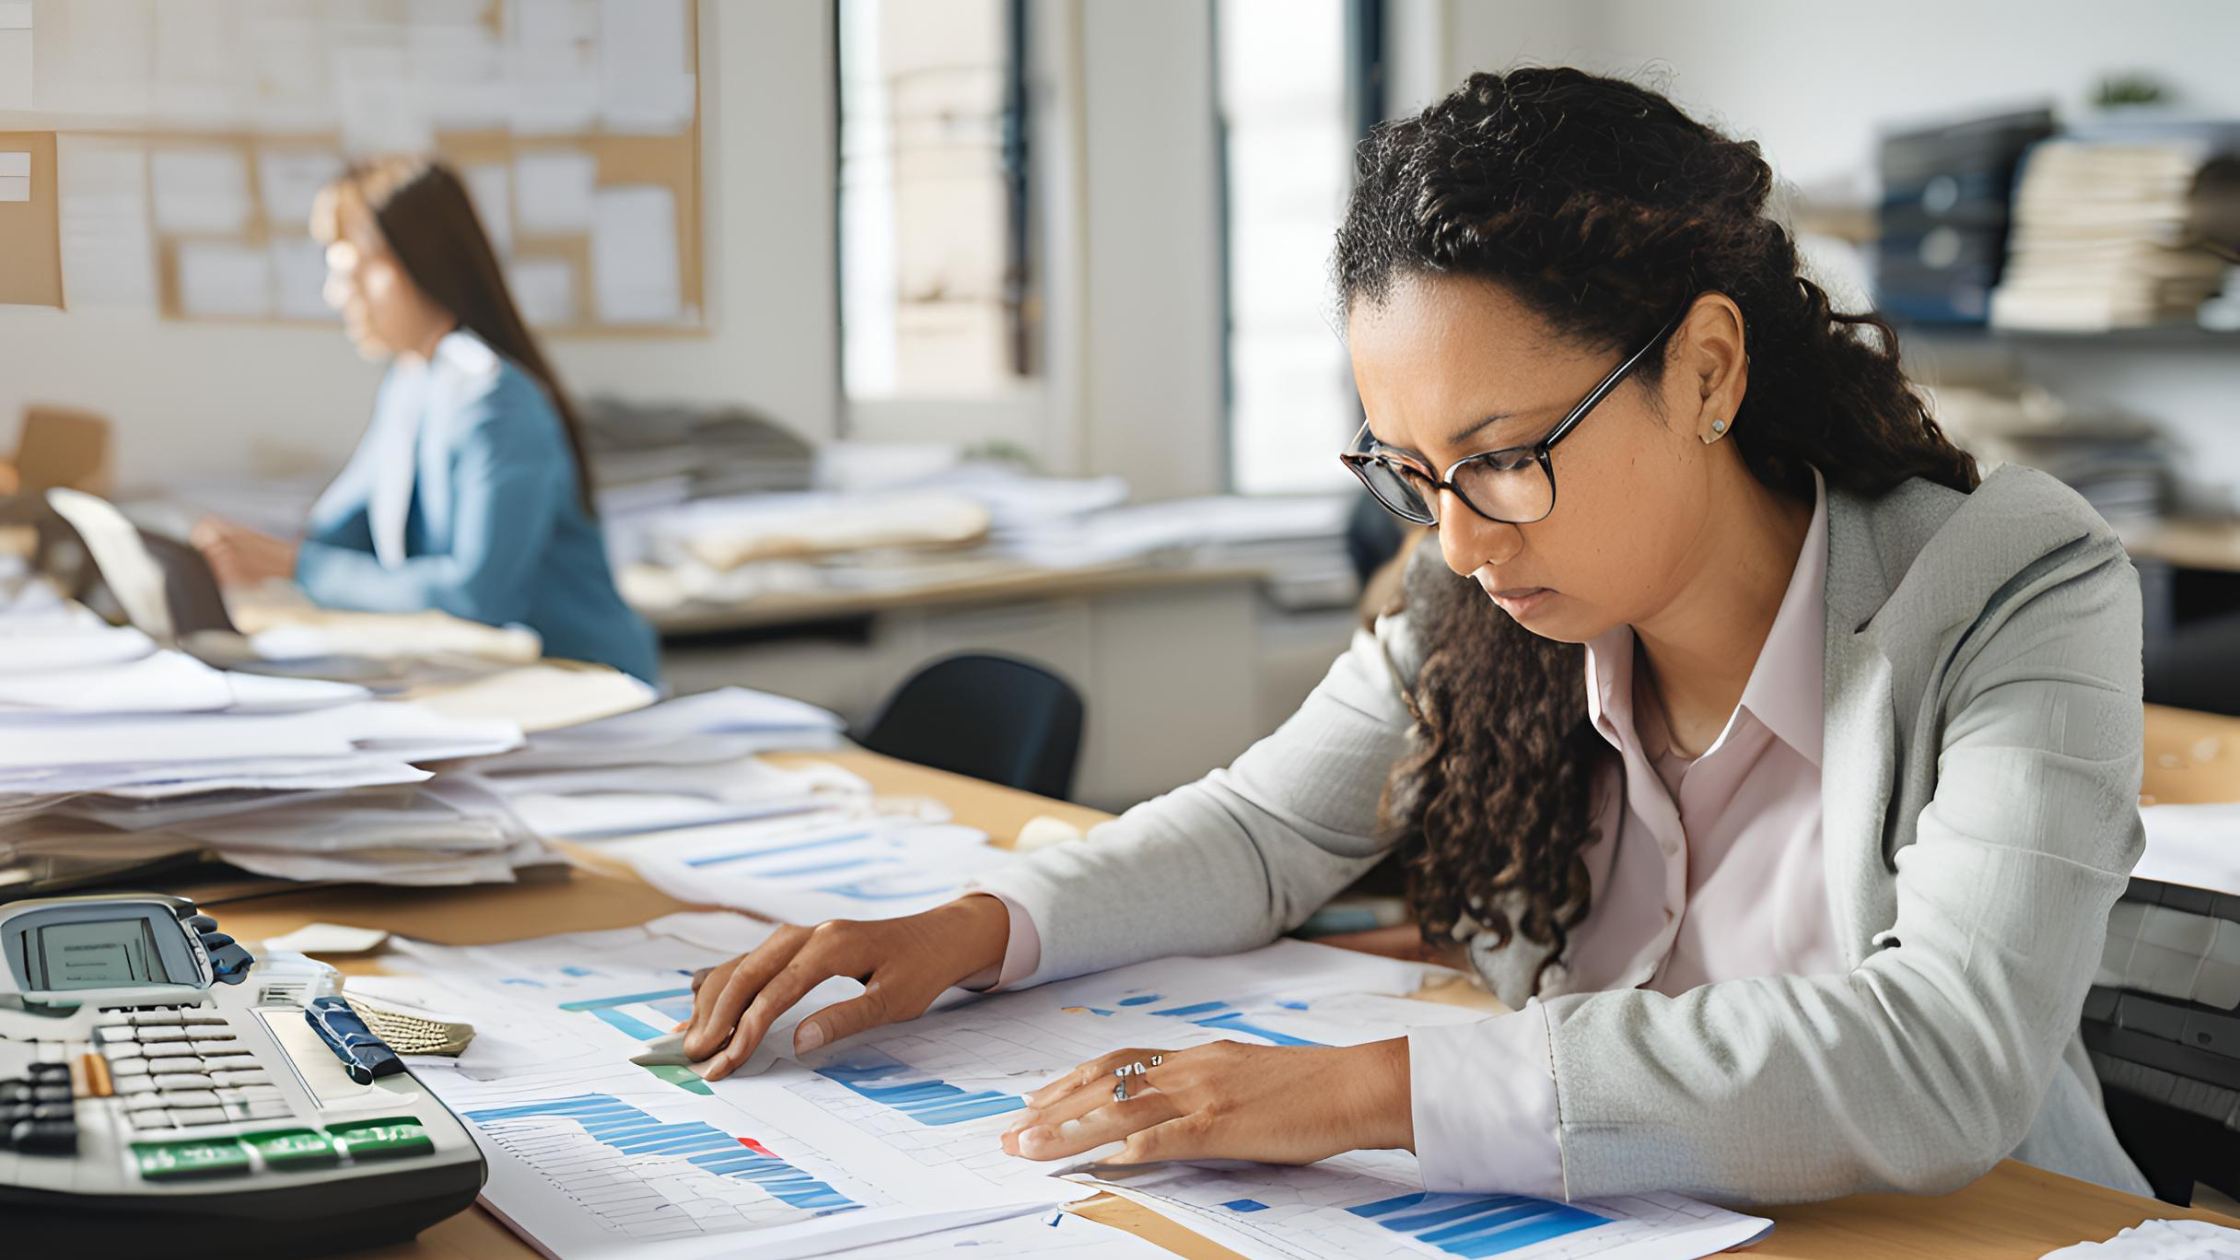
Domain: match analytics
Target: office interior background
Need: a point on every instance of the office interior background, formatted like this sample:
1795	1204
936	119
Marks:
916	327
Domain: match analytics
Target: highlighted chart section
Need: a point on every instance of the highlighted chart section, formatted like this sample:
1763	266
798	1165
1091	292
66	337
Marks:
644	1016
923	1098
1477	1225
649	1178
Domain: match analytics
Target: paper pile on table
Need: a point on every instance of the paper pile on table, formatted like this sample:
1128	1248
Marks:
115	754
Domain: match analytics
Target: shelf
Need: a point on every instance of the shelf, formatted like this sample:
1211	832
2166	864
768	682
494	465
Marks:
2155	337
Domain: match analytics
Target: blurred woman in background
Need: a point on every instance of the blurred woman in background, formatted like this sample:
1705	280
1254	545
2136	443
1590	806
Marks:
468	492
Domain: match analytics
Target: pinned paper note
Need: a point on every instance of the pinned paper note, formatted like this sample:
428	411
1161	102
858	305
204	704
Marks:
108	249
644	57
299	279
545	291
634	255
201	190
289	180
490	187
221	279
15	60
553	191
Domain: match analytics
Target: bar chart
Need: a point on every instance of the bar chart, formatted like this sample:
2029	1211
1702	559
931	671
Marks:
648	1178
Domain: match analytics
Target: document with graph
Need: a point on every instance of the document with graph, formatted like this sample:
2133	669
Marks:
1371	1205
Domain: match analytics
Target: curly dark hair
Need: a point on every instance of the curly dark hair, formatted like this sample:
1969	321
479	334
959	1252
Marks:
1603	209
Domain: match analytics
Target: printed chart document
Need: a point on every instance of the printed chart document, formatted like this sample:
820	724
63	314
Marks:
594	1156
1372	1204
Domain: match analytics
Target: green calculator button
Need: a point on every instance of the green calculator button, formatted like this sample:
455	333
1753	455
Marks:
293	1148
383	1139
163	1161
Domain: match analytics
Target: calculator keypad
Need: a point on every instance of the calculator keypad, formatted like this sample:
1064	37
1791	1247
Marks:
37	1114
183	1068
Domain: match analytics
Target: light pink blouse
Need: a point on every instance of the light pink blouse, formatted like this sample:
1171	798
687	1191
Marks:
1703	870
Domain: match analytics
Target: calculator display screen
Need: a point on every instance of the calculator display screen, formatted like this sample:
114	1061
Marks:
105	953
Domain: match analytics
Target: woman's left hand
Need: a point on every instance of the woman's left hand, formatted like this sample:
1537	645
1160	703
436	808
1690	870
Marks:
1227	1100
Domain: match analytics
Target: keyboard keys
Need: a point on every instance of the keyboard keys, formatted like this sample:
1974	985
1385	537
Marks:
116	1035
155	1119
162	1016
172	1033
203	1016
122	1068
188	1080
174	1063
241	1076
190	1098
45	1137
150	1101
217	1045
188	1117
130	1085
118	1050
382	1139
293	1148
211	1157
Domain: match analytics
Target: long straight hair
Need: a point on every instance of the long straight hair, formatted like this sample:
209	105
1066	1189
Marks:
422	211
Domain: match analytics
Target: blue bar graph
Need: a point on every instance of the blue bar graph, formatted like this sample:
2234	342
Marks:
1475	1225
614	1123
925	1099
1223	1015
674	1004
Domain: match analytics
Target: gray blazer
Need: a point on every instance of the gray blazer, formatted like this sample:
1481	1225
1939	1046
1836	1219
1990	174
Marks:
1979	817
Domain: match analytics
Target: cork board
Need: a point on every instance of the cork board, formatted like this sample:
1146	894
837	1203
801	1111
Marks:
30	229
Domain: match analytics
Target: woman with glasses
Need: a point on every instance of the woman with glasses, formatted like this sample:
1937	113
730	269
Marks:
1777	769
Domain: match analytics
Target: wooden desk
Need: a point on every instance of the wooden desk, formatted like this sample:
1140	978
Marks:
2186	543
2013	1212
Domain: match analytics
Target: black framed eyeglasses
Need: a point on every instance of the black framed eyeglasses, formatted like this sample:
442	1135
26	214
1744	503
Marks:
1515	485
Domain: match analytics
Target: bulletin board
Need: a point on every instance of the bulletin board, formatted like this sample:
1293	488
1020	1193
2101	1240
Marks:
174	147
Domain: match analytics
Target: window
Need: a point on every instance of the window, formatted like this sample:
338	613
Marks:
1291	99
937	299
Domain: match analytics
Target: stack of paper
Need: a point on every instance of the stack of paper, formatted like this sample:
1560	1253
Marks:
114	753
689	762
679	792
908	518
2116	233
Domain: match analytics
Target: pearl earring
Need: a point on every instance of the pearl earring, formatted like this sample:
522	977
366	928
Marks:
1718	426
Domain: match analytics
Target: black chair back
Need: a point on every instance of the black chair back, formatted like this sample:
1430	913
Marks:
991	717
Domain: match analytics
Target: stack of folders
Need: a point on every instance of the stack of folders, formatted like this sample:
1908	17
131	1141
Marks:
116	755
1943	217
642	455
2122	226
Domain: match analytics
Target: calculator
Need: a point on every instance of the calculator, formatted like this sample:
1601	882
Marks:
162	1091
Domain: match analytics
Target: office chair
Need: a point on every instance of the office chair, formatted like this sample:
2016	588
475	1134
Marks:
990	717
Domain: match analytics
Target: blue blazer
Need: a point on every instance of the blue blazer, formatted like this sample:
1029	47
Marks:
462	497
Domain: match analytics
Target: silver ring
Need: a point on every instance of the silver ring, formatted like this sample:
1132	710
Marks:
1120	1091
1158	1059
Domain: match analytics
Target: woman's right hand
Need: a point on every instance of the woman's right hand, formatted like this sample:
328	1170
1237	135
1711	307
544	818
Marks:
240	556
904	965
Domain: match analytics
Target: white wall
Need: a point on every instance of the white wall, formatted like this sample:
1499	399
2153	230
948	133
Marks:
192	399
1152	386
1812	82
